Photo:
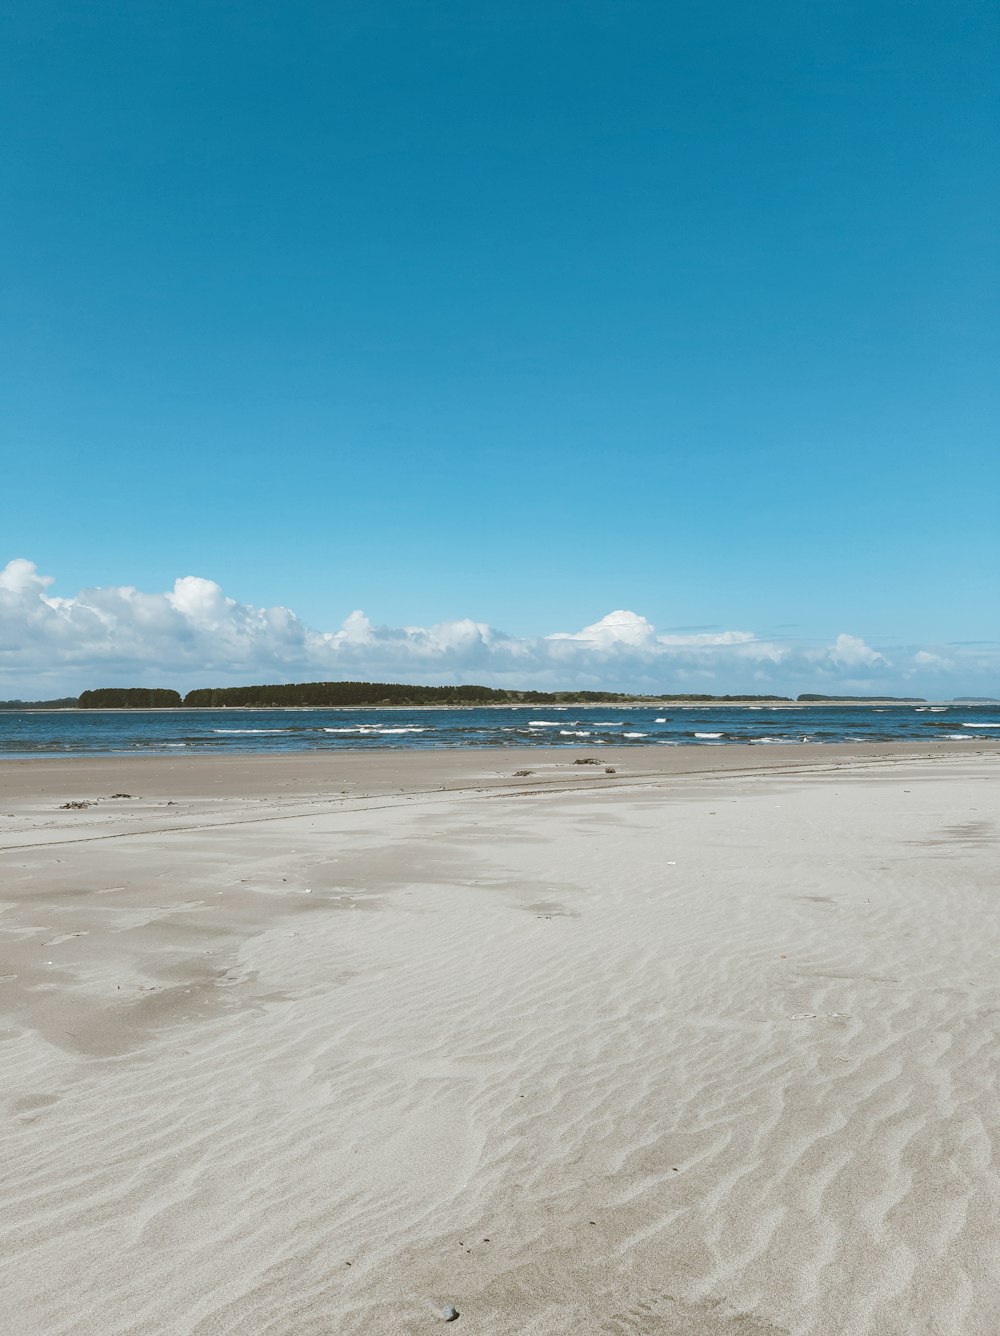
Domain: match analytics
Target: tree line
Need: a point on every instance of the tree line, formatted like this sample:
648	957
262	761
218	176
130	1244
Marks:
352	694
60	703
130	698
356	694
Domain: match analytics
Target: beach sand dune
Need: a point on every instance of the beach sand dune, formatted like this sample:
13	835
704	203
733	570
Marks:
300	1048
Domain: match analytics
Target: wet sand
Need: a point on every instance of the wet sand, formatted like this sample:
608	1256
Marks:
316	1044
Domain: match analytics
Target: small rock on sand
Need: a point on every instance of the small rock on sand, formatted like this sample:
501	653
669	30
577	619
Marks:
449	1313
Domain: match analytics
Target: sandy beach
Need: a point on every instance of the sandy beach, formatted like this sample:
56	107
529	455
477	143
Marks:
318	1046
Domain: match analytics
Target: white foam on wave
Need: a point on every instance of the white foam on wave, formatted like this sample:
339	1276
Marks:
659	721
981	725
545	723
635	735
251	730
708	735
379	730
573	733
609	723
956	737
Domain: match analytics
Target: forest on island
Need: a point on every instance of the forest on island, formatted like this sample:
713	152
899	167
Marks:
348	695
356	694
130	698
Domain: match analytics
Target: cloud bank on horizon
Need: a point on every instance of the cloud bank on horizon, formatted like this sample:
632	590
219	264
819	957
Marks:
194	635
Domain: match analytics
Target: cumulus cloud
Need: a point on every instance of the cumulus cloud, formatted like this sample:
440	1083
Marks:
617	628
851	651
20	576
194	635
924	658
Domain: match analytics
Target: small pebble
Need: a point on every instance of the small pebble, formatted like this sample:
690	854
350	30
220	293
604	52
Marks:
449	1313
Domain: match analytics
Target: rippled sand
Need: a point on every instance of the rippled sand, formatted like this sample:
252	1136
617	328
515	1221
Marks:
310	1047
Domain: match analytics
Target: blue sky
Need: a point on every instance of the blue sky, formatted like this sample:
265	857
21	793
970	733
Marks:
518	313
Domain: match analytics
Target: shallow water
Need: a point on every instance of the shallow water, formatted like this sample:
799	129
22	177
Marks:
95	732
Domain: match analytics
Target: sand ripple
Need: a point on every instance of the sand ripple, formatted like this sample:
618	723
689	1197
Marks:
714	1057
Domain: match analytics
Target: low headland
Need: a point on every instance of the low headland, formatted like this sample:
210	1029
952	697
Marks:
347	695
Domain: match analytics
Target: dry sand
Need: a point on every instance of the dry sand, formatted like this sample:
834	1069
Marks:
315	1047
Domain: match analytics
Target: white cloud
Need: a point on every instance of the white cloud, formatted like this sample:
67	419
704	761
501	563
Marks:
201	601
709	638
617	628
851	651
195	635
925	659
20	576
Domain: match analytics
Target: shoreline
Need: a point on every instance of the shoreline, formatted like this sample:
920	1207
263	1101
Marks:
652	758
162	791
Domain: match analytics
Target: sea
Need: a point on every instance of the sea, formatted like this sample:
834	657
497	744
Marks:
26	733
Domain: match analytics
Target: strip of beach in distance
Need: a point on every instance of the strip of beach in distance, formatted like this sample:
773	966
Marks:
625	1040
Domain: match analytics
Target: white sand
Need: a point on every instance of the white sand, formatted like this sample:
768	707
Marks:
656	1052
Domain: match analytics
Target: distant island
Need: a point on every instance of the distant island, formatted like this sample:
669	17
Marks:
811	696
62	703
351	694
348	695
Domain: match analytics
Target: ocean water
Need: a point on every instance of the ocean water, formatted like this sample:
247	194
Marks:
102	732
